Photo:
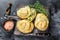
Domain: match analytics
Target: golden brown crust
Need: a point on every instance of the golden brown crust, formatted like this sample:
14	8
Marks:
25	26
24	12
41	22
32	14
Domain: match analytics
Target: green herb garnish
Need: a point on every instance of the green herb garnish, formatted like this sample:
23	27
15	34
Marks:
39	7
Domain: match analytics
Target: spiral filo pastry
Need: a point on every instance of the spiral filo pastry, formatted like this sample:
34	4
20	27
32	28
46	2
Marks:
25	26
41	22
23	12
32	14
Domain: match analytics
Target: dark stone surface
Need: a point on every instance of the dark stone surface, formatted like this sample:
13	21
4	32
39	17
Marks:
54	24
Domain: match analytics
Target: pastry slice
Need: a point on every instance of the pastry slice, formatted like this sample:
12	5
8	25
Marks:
25	26
41	22
32	14
24	12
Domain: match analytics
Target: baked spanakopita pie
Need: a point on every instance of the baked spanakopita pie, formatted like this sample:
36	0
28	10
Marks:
25	26
41	22
24	12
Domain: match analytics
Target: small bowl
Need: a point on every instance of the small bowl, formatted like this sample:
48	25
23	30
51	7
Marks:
13	20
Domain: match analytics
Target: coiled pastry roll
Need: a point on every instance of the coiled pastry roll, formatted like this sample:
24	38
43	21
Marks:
41	22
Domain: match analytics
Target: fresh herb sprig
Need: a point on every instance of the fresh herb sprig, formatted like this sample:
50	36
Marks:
39	7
